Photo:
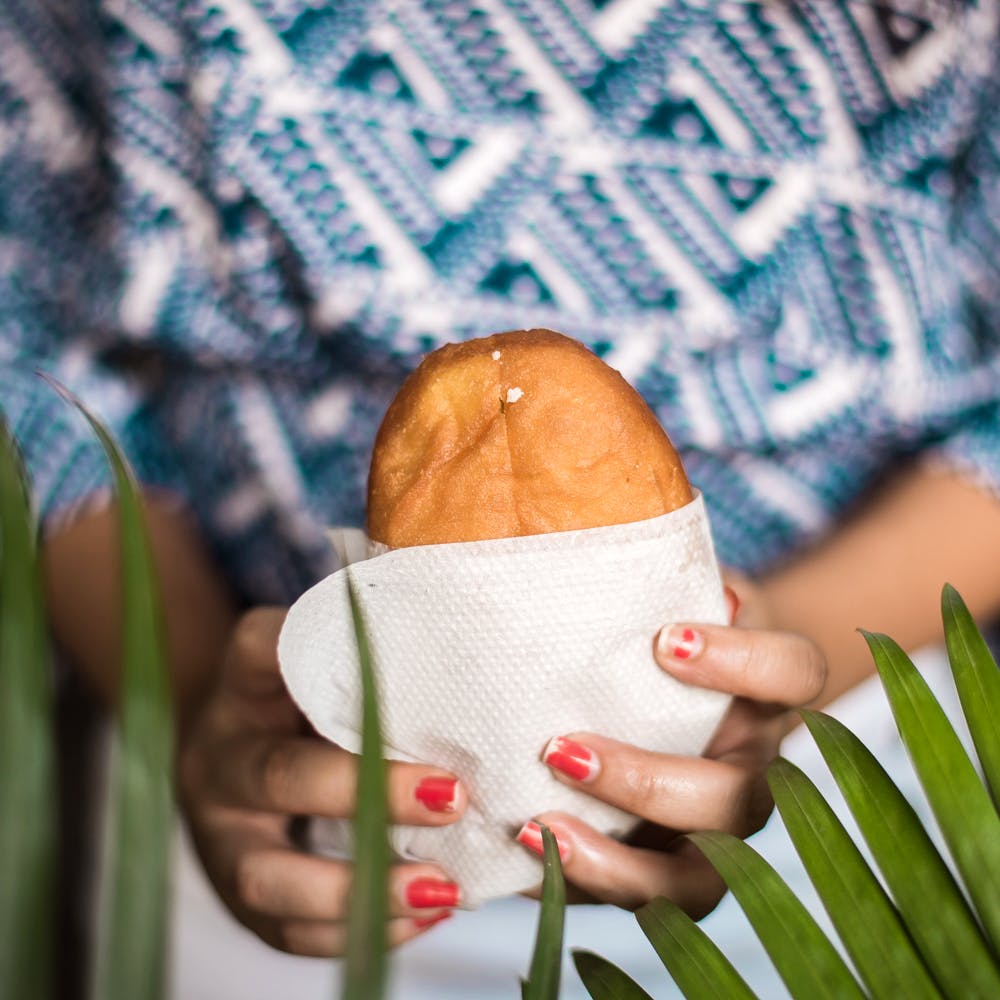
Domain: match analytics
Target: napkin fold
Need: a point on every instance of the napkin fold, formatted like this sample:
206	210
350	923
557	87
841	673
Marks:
485	650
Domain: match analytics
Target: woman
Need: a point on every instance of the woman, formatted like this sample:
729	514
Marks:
233	227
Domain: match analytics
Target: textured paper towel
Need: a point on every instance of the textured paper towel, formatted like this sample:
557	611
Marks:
486	650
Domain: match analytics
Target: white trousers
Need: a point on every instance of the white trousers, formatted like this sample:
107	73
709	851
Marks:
482	954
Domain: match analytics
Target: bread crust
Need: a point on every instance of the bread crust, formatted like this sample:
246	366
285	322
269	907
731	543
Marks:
519	433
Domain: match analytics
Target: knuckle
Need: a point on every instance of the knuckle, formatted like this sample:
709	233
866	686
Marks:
791	665
744	663
777	661
277	772
250	632
809	667
250	882
644	791
817	673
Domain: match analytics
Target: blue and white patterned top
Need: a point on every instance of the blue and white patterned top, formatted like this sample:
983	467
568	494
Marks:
233	225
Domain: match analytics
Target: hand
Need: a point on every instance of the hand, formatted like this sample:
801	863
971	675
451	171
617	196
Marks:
249	765
725	789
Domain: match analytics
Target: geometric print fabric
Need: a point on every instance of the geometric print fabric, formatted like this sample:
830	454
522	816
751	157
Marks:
780	220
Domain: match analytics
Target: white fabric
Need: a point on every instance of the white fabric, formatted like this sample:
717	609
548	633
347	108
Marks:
486	650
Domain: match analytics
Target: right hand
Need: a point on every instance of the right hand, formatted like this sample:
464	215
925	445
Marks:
249	765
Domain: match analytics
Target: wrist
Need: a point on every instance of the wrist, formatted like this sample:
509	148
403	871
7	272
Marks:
81	571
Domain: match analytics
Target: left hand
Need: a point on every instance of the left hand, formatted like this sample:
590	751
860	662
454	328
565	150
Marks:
768	672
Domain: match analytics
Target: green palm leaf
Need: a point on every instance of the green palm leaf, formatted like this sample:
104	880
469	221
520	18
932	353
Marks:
27	755
546	961
925	941
691	957
863	915
133	964
960	803
978	682
366	961
944	930
812	969
604	980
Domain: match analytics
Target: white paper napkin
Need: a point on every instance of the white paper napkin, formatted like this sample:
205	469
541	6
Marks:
485	650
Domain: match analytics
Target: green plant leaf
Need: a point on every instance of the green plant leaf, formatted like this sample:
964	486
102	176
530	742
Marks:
604	980
961	805
929	900
977	679
865	919
27	753
691	957
546	961
132	966
366	965
812	968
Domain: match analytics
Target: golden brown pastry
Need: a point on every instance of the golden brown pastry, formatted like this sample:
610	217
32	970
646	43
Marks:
517	434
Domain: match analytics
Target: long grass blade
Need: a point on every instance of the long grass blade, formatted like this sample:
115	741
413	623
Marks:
929	900
961	805
366	967
692	958
546	960
812	969
862	913
977	679
604	980
132	966
27	755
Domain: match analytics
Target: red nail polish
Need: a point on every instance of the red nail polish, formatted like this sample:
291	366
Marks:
686	643
733	600
438	794
530	835
571	758
425	922
423	893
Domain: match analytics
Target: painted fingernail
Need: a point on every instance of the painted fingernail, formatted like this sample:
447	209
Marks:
680	642
530	835
423	923
733	601
572	759
438	794
423	893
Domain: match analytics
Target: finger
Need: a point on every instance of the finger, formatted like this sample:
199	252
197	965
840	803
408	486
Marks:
322	939
264	884
629	877
250	666
682	793
290	885
310	777
780	667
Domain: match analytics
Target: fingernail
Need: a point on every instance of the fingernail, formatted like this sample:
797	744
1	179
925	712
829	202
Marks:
572	759
530	835
733	600
423	893
424	922
438	794
680	642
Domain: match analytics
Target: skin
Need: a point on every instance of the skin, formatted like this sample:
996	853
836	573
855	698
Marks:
247	763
